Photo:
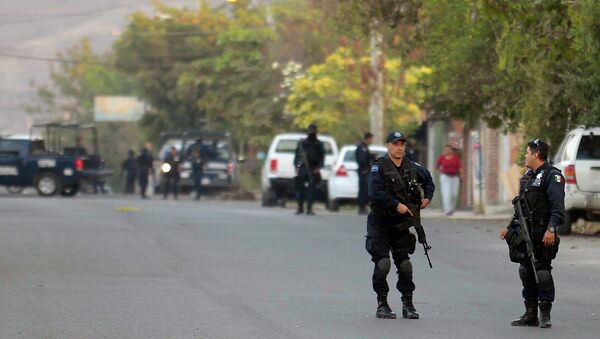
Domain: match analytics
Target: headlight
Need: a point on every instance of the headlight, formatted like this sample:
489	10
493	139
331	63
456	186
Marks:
165	168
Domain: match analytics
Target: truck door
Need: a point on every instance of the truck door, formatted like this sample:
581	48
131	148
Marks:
12	154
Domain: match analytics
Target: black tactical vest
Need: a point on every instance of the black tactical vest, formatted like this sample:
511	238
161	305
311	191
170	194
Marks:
402	186
533	190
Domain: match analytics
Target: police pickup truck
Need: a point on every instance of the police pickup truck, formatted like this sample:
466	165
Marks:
25	162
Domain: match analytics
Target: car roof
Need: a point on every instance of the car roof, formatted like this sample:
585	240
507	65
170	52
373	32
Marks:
20	137
300	136
371	148
586	129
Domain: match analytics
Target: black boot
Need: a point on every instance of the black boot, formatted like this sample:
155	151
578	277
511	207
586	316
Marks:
530	318
300	208
408	309
545	307
383	309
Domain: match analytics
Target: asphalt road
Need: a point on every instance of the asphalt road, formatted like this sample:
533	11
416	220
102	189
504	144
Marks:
124	268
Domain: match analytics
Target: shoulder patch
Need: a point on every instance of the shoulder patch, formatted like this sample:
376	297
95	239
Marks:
375	168
559	178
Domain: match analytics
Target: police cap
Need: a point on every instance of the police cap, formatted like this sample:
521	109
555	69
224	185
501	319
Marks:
395	136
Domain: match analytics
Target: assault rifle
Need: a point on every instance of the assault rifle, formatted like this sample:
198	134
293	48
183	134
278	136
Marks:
421	232
525	232
304	159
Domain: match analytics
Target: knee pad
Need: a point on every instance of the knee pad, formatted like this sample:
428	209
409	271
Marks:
544	280
405	268
384	265
523	273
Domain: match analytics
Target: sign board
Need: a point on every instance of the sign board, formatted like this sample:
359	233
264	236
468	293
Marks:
117	108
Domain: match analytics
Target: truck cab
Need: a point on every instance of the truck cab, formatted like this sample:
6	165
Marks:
26	162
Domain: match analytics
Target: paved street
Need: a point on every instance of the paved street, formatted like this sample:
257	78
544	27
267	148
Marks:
118	267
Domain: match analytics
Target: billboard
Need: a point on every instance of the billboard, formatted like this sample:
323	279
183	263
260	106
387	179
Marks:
117	108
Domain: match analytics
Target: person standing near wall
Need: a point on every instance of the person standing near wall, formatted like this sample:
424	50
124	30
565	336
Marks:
449	165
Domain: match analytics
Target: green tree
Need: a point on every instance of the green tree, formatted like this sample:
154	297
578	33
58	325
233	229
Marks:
158	53
335	94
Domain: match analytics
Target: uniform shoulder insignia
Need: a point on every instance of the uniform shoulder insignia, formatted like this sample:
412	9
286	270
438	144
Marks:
375	168
559	178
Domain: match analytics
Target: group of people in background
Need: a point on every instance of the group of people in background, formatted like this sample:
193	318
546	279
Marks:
141	168
138	168
310	158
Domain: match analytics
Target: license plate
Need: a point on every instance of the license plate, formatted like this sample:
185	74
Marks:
205	181
185	175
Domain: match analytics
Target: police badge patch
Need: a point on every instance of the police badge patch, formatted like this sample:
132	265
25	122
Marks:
374	169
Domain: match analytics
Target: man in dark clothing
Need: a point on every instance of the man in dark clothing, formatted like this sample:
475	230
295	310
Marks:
197	161
170	169
542	198
396	201
308	161
145	168
130	168
364	160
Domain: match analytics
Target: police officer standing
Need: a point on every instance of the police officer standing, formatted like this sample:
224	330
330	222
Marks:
363	159
197	161
396	202
542	198
130	168
308	161
171	173
145	168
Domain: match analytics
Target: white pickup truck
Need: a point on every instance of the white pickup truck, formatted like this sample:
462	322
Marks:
278	172
578	158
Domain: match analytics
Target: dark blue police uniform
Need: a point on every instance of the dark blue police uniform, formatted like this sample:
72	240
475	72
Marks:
544	191
388	230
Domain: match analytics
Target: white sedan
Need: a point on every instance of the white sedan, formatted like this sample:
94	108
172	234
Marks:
343	183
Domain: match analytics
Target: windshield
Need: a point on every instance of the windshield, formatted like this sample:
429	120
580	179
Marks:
351	155
289	146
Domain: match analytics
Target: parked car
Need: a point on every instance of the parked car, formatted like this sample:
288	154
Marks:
343	184
278	172
578	158
221	169
26	162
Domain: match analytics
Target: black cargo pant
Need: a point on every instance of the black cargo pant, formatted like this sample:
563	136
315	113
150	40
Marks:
171	185
381	239
363	188
143	181
543	290
305	188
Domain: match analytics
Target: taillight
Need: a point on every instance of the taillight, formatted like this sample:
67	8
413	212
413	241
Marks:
274	165
341	172
79	164
230	168
570	174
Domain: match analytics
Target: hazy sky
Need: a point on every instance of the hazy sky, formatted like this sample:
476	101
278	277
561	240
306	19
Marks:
31	29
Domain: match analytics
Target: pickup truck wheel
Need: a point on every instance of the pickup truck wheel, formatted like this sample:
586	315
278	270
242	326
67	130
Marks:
570	217
69	191
268	198
47	184
334	205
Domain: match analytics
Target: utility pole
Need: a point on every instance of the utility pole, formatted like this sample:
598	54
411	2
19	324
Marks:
376	104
